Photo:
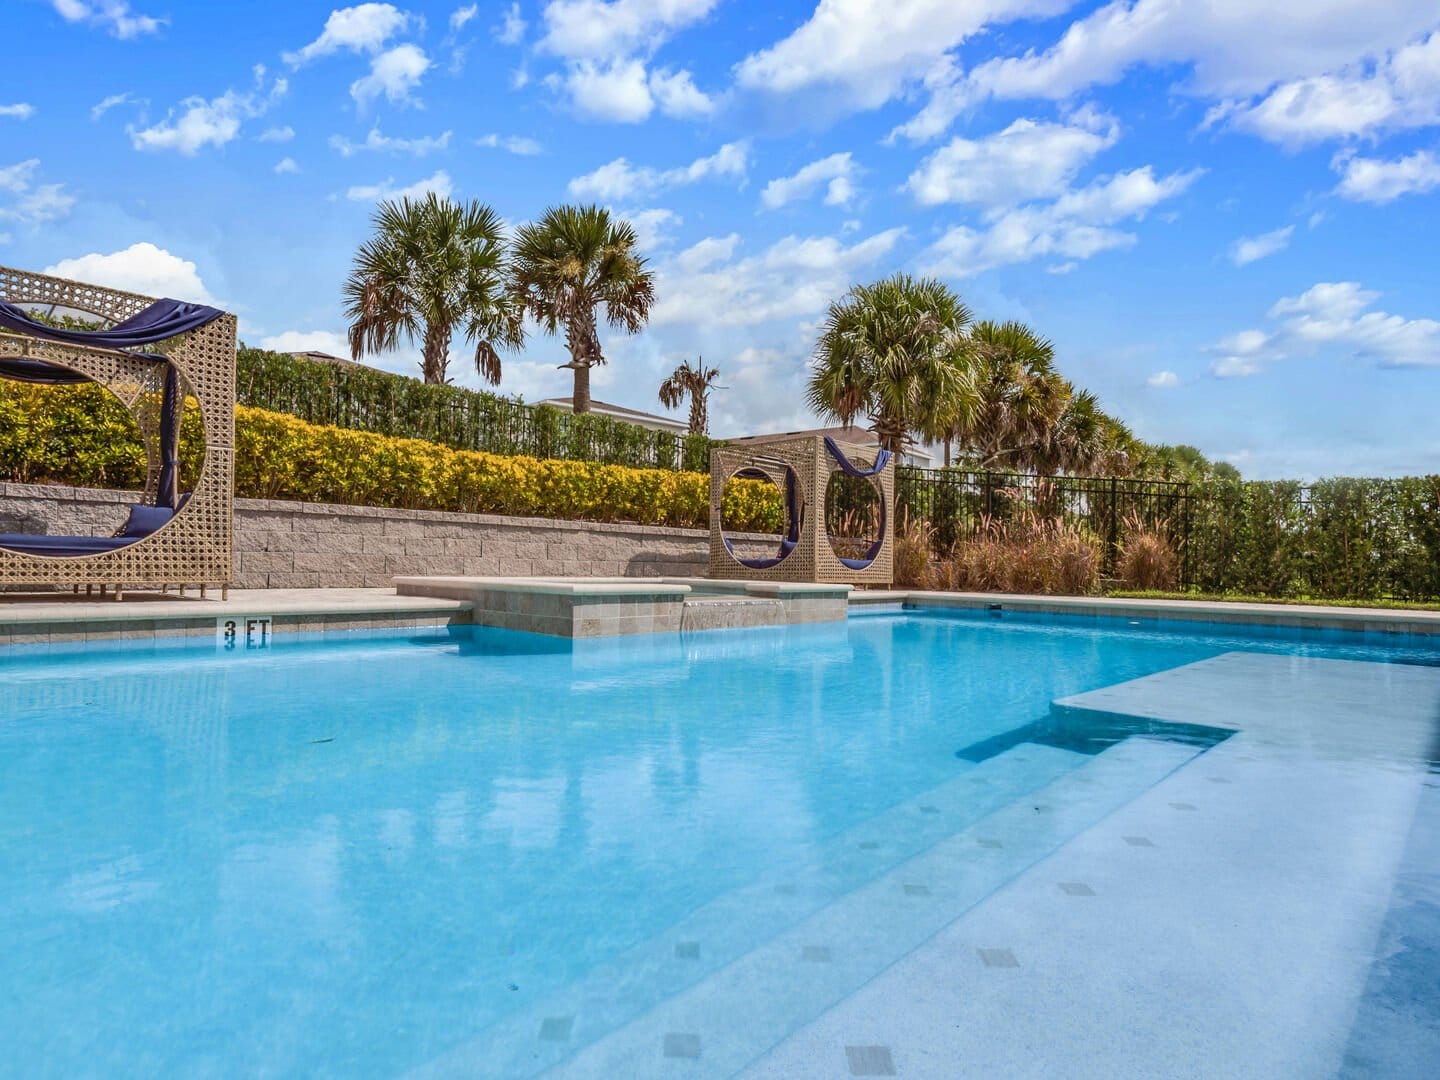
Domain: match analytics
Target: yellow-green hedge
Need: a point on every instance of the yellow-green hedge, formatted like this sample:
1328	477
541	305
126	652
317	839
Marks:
83	436
280	457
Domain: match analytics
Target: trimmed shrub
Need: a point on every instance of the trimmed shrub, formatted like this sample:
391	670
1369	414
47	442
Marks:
280	457
81	435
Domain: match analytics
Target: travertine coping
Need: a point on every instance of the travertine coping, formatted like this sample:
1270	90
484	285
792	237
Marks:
464	587
1307	616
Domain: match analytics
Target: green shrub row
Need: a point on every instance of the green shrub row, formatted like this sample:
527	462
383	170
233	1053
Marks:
83	436
364	399
1343	538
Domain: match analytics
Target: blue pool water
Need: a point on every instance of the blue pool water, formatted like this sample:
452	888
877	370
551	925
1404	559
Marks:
366	856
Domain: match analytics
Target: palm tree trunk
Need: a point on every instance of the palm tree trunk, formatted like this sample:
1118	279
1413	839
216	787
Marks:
580	400
947	452
435	354
584	346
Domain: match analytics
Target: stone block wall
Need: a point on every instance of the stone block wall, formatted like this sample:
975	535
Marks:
285	545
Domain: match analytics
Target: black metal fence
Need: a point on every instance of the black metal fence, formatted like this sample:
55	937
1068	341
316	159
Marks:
960	503
368	400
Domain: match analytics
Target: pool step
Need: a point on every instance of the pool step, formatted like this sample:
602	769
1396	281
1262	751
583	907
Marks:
735	923
741	1010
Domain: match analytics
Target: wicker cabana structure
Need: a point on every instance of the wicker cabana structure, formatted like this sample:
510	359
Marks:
153	355
801	465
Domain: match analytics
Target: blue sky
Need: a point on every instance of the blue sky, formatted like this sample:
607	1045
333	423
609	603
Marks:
1223	213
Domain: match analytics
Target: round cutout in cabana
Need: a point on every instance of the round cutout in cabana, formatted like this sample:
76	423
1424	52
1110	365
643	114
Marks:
746	491
107	449
854	518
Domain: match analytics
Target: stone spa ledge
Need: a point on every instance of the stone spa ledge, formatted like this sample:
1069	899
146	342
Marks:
41	618
604	607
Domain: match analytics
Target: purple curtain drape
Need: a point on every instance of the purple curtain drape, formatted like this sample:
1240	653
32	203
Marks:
161	320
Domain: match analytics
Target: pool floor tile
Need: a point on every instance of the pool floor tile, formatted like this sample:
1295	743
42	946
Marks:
917	890
1076	888
557	1028
870	1061
687	950
998	958
815	954
1139	841
682	1044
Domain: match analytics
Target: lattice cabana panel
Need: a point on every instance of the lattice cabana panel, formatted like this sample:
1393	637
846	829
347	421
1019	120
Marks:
196	546
812	560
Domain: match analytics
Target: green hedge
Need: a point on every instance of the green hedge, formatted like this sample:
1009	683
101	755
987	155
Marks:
82	435
364	399
1342	538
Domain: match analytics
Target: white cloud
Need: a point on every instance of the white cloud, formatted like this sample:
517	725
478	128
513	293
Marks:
1030	159
1231	48
375	141
522	145
32	203
623	91
440	184
113	16
866	51
652	226
511	30
616	91
604	29
1376	181
676	94
1163	380
462	15
1331	314
286	165
101	108
276	135
621	180
1076	226
21	111
141	268
704	285
1400	91
393	74
1250	248
836	172
364	28
605	45
200	123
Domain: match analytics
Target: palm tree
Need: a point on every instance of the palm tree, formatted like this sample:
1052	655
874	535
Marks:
891	351
568	264
697	382
1018	396
433	267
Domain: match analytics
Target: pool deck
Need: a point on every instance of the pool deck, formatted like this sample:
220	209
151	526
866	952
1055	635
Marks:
54	617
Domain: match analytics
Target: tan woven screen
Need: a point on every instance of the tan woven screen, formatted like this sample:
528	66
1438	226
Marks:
195	546
813	559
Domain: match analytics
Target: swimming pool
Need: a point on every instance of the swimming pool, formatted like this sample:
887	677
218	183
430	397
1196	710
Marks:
478	852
